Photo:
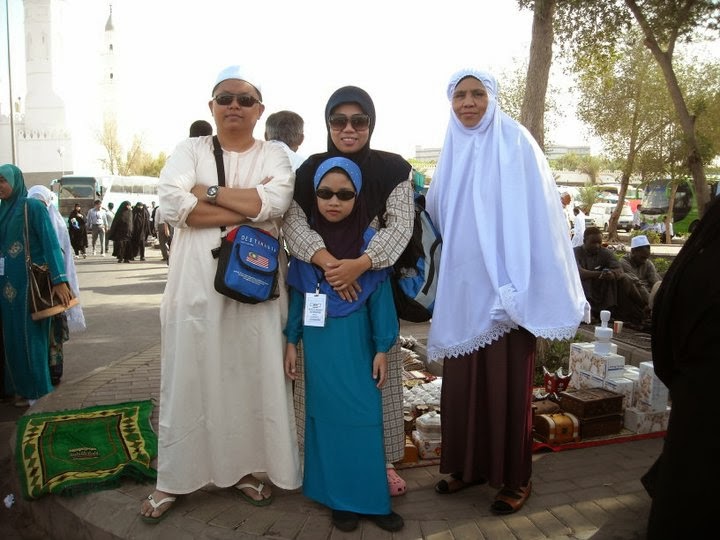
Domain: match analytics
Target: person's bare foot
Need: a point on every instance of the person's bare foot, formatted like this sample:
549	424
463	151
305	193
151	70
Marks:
155	506
254	490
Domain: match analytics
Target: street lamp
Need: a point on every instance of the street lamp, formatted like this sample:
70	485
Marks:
61	153
12	112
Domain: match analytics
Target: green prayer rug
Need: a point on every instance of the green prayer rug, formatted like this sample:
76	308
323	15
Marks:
76	451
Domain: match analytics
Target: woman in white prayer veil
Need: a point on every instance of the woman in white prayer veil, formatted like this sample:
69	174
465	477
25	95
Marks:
507	276
73	320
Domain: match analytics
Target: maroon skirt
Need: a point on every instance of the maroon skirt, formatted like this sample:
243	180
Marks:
486	412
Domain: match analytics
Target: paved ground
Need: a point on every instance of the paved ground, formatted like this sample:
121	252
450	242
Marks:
578	494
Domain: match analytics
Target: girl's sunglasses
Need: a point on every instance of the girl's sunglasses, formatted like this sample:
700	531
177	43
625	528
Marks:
342	195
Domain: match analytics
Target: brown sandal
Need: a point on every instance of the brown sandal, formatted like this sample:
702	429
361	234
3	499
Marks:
454	483
509	501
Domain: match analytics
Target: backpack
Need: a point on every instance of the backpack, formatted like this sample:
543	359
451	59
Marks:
414	276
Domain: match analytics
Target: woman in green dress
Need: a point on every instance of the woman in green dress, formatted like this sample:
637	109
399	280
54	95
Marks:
27	375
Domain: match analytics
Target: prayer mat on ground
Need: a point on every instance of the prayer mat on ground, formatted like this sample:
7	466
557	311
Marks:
76	451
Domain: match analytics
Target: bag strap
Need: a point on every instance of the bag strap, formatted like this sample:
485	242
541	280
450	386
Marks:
28	260
217	150
220	165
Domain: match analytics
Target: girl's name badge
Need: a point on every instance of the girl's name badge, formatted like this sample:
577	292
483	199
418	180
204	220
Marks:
315	309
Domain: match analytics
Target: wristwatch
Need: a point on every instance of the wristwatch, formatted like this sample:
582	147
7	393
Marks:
212	193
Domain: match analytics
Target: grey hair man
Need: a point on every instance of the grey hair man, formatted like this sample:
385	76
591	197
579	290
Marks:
286	128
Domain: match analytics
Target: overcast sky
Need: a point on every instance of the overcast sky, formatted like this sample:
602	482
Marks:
169	52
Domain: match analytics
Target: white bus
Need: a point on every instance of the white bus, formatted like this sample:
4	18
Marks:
135	189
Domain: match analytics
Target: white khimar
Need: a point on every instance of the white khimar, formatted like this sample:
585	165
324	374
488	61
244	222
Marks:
506	260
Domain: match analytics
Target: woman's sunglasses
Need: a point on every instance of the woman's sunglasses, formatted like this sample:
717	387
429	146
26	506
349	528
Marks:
342	195
242	99
359	122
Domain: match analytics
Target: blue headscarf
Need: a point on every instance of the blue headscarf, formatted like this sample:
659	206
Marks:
306	277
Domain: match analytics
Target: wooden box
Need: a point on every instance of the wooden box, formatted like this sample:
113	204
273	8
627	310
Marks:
601	426
411	451
557	428
591	402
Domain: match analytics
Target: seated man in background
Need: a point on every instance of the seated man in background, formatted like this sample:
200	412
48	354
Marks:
600	272
642	282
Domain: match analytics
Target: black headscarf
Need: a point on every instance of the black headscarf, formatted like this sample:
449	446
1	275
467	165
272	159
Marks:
381	171
688	298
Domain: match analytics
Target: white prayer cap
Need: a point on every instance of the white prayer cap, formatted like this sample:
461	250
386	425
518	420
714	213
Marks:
639	241
240	73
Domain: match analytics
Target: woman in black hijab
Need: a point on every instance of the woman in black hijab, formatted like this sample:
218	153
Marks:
121	232
141	230
387	198
685	344
77	228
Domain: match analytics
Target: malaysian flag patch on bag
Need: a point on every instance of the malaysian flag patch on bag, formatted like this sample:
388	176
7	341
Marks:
248	265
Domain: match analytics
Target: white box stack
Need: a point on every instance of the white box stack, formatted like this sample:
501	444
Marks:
622	386
652	394
645	421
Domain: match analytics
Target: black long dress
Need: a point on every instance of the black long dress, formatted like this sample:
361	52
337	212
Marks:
77	227
121	233
685	344
141	230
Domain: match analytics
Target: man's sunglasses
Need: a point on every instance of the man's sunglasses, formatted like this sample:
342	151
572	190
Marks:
243	100
359	122
342	195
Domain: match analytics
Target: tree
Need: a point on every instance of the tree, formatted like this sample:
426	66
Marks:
136	162
532	114
108	138
623	102
591	29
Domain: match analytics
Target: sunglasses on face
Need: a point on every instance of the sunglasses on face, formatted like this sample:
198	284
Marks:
243	100
342	195
359	122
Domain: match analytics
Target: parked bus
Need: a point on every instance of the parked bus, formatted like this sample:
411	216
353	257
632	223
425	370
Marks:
685	212
72	190
135	189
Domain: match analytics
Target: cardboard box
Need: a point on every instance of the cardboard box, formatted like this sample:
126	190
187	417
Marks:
623	386
585	379
607	366
411	451
427	448
646	422
584	359
591	402
652	394
580	358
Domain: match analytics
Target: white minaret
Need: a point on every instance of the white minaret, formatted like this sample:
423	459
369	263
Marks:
109	84
44	144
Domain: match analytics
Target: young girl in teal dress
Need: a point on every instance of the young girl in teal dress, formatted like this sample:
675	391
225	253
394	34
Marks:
344	346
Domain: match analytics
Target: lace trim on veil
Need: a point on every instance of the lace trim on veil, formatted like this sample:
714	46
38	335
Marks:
473	344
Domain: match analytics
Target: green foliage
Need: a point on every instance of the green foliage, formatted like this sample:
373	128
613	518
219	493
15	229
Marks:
587	195
136	162
661	264
652	236
422	165
552	355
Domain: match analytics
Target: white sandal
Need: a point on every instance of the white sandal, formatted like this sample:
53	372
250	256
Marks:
155	506
259	488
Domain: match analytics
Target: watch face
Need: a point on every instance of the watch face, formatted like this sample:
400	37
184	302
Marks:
212	191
